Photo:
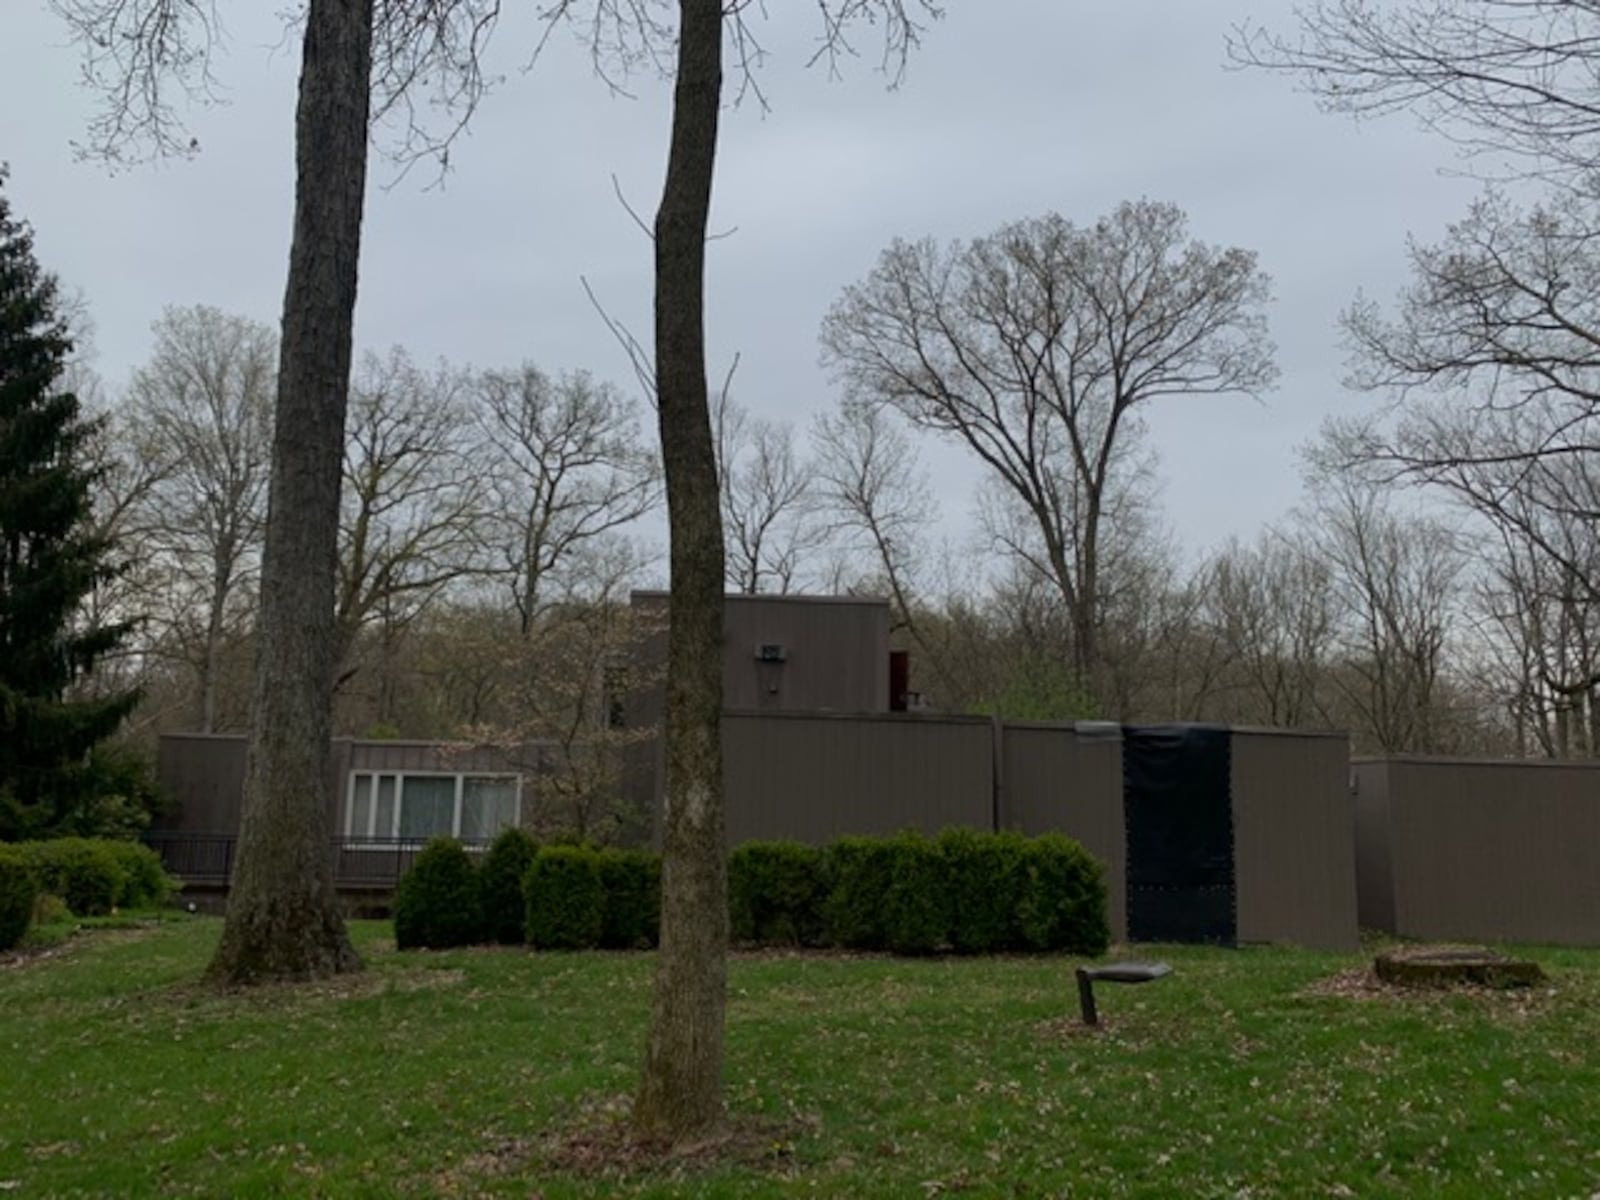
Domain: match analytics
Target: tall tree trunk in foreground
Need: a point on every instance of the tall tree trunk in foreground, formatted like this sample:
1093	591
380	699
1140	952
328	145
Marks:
283	919
680	1094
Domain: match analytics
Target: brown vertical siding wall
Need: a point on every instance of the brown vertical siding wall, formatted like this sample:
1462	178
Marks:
1494	851
816	776
836	648
203	774
1369	783
838	654
1294	839
1054	781
837	660
812	778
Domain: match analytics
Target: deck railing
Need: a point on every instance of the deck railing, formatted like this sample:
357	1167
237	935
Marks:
207	859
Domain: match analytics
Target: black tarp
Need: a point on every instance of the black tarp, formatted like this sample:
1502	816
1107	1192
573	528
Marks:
1178	809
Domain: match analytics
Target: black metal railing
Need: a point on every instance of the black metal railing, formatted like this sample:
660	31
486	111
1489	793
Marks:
207	859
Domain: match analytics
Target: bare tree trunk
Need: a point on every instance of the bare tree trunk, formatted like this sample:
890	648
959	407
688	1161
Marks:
283	918
217	614
680	1094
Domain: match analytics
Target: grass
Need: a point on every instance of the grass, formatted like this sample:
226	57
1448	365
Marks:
447	1074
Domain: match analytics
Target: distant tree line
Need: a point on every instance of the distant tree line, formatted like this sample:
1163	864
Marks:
494	520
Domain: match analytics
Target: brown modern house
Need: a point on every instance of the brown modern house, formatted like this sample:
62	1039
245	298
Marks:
1205	833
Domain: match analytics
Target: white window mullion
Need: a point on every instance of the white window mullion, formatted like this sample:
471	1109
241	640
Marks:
455	819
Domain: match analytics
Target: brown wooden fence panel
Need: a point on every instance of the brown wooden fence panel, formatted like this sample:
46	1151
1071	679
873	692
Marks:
1293	839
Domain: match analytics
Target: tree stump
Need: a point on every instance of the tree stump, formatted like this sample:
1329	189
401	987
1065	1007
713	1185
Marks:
1455	966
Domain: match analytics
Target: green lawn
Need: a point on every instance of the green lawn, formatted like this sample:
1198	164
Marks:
453	1074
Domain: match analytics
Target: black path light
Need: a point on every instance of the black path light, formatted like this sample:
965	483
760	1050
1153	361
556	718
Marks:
1123	972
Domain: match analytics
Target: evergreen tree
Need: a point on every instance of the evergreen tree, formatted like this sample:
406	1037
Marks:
51	558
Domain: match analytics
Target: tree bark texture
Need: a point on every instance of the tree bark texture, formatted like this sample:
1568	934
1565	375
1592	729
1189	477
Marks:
283	919
680	1093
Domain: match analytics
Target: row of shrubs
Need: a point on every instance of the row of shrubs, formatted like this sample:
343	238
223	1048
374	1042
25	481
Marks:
91	876
964	891
554	898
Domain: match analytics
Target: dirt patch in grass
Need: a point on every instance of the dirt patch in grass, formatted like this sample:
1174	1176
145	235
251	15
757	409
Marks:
600	1144
1072	1028
66	943
1362	983
290	995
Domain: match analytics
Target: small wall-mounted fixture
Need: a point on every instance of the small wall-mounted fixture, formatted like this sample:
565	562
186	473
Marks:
771	652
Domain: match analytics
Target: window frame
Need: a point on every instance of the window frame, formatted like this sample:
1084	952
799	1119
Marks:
392	837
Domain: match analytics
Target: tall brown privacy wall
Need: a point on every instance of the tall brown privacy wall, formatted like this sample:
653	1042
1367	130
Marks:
1069	780
814	776
1486	850
1294	838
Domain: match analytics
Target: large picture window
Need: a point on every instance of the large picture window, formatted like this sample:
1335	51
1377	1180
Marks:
416	806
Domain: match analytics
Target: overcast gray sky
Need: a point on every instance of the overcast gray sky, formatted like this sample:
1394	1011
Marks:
1011	108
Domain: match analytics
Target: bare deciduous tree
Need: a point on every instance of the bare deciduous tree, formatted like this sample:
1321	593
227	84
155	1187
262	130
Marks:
565	470
283	919
680	1090
561	684
1037	346
125	470
681	1087
201	409
1494	354
1502	79
412	496
1396	580
1271	605
875	504
767	500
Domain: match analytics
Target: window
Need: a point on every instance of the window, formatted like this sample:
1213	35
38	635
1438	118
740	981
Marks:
416	806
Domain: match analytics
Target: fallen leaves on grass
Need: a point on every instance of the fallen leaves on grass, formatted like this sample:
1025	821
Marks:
31	953
1362	983
600	1143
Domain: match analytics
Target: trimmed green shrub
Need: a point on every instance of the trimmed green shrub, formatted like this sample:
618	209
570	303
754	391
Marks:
916	908
566	899
858	871
148	884
505	912
776	894
1062	905
968	891
48	910
19	889
985	877
436	904
631	882
85	873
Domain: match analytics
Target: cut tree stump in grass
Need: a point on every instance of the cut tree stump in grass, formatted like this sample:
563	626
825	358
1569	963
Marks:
1455	966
